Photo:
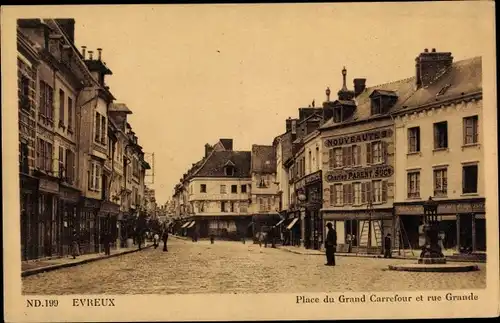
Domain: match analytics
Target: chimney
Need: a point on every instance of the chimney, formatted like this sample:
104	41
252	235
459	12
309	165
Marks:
68	27
288	124
430	65
84	51
359	86
91	52
208	150
99	52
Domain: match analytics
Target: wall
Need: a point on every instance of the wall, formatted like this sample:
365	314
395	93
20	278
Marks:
453	157
264	199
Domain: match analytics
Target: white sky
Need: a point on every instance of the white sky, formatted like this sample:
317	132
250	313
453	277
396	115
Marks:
273	59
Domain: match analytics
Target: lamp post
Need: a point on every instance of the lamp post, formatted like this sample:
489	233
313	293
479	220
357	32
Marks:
431	251
302	199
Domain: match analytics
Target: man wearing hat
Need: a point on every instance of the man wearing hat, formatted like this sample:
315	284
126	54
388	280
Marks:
330	245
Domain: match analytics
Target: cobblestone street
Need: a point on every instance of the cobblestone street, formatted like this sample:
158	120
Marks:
232	267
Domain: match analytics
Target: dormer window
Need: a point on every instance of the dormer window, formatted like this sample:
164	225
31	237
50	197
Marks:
382	101
337	114
229	168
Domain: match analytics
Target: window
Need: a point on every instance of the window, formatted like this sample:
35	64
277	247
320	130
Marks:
61	162
347	156
469	179
46	100
376	152
103	130
70	166
440	182
229	171
97	127
70	114
413	185
336	194
376	105
202	206
243	188
96	177
232	206
243	208
234	189
356	155
366	196
347	192
337	115
470	130
441	135
24	94
414	139
23	158
317	158
223	189
61	108
223	206
336	157
357	193
377	191
203	188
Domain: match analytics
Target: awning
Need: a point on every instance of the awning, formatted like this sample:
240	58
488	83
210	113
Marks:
185	225
191	224
292	223
281	221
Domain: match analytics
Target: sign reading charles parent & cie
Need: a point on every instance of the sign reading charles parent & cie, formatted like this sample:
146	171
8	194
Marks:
359	173
361	137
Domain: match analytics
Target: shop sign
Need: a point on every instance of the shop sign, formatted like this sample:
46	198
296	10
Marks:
409	209
108	207
48	186
359	173
357	138
312	178
91	203
69	195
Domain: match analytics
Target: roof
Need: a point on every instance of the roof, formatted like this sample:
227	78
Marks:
464	77
120	107
97	65
383	92
263	159
216	161
227	143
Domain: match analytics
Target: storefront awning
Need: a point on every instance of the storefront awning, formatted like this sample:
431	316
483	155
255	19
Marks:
191	224
185	225
292	223
281	221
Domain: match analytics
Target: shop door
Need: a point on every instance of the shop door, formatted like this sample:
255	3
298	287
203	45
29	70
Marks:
465	227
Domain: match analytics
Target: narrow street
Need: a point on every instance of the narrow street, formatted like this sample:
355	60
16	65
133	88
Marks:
232	267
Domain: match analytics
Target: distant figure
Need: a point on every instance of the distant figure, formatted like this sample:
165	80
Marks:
105	241
165	239
75	246
387	246
156	239
330	245
349	243
212	238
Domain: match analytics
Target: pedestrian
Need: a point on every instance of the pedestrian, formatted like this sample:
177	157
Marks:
349	243
75	246
212	238
330	245
156	239
165	239
387	246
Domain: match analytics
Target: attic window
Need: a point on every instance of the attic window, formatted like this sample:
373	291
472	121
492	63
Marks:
382	101
229	170
337	114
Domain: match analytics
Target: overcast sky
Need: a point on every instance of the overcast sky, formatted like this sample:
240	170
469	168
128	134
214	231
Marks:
194	74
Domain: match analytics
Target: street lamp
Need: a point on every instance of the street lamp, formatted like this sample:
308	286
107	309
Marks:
302	199
431	251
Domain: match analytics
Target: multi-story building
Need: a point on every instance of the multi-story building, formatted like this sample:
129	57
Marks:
263	189
27	64
439	152
150	202
214	195
358	161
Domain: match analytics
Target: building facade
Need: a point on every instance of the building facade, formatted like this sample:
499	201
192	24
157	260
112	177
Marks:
439	138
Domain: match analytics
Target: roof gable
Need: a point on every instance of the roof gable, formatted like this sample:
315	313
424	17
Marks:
263	159
216	162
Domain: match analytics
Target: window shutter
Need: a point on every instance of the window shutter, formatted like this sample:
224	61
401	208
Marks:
345	160
384	191
358	152
417	138
369	153
436	137
384	151
475	129
92	176
369	197
349	193
330	158
363	193
332	195
345	192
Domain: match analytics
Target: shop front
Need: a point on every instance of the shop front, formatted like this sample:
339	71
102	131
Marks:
68	205
309	192
49	221
29	217
88	233
360	230
108	221
462	224
293	227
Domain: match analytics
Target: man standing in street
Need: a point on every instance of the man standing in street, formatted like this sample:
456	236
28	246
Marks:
387	246
165	239
330	245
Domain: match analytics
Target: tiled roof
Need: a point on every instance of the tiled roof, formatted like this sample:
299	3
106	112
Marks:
214	165
464	77
263	159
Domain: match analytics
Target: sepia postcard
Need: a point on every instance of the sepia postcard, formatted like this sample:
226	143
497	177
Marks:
249	162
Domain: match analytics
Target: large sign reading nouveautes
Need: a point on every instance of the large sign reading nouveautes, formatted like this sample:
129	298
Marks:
361	137
360	173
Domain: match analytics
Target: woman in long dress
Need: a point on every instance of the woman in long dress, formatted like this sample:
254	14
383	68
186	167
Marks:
75	248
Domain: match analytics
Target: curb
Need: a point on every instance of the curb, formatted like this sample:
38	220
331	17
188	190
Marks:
377	256
35	271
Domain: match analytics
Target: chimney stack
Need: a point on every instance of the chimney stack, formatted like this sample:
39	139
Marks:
430	66
99	51
208	150
84	49
68	27
359	86
90	54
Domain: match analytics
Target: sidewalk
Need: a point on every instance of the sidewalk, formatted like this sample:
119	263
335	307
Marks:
406	254
33	267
